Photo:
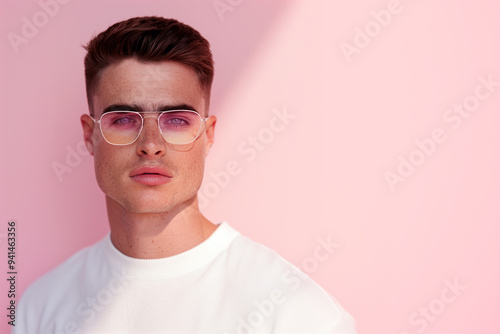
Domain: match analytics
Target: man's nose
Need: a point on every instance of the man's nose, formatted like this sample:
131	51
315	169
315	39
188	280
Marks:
150	141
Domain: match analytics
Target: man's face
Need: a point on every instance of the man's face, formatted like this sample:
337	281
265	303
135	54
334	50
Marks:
148	87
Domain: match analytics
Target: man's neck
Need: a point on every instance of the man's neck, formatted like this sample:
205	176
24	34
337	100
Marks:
157	235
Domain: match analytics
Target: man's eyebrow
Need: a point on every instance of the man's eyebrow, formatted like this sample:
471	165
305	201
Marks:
181	106
121	107
136	107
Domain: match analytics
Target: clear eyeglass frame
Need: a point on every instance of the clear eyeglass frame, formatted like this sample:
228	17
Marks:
157	115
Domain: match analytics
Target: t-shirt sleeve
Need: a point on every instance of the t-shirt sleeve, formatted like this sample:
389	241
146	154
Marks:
304	307
22	317
345	323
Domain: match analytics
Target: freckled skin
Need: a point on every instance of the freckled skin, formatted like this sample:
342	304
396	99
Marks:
137	212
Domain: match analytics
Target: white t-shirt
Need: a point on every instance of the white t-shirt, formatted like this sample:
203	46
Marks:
228	284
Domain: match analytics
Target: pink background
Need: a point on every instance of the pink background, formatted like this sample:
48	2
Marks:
322	175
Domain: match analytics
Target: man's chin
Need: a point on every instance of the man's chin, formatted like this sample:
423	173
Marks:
150	204
145	208
138	205
155	206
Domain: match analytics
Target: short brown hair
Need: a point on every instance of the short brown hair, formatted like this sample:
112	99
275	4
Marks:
148	39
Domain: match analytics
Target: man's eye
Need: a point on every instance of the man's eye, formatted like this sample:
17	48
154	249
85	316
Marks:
124	120
177	121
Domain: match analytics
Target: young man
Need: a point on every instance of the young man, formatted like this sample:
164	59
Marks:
164	267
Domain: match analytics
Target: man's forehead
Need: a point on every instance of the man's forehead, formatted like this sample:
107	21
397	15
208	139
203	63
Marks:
149	86
135	69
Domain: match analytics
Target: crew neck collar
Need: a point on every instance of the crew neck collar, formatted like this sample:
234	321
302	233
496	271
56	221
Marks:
175	265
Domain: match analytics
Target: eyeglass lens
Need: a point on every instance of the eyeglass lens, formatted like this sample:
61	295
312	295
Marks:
177	127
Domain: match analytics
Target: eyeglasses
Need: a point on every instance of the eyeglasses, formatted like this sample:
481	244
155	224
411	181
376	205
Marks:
176	126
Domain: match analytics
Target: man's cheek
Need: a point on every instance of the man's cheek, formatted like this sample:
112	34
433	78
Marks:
105	169
100	173
192	172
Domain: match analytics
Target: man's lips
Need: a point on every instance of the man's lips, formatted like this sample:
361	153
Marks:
151	175
150	170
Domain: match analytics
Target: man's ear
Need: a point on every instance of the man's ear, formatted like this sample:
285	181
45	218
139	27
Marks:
88	131
209	130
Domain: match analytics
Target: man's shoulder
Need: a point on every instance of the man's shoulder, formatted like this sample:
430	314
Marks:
251	257
265	277
259	262
62	277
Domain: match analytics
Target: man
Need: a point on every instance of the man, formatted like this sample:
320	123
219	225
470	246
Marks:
164	268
